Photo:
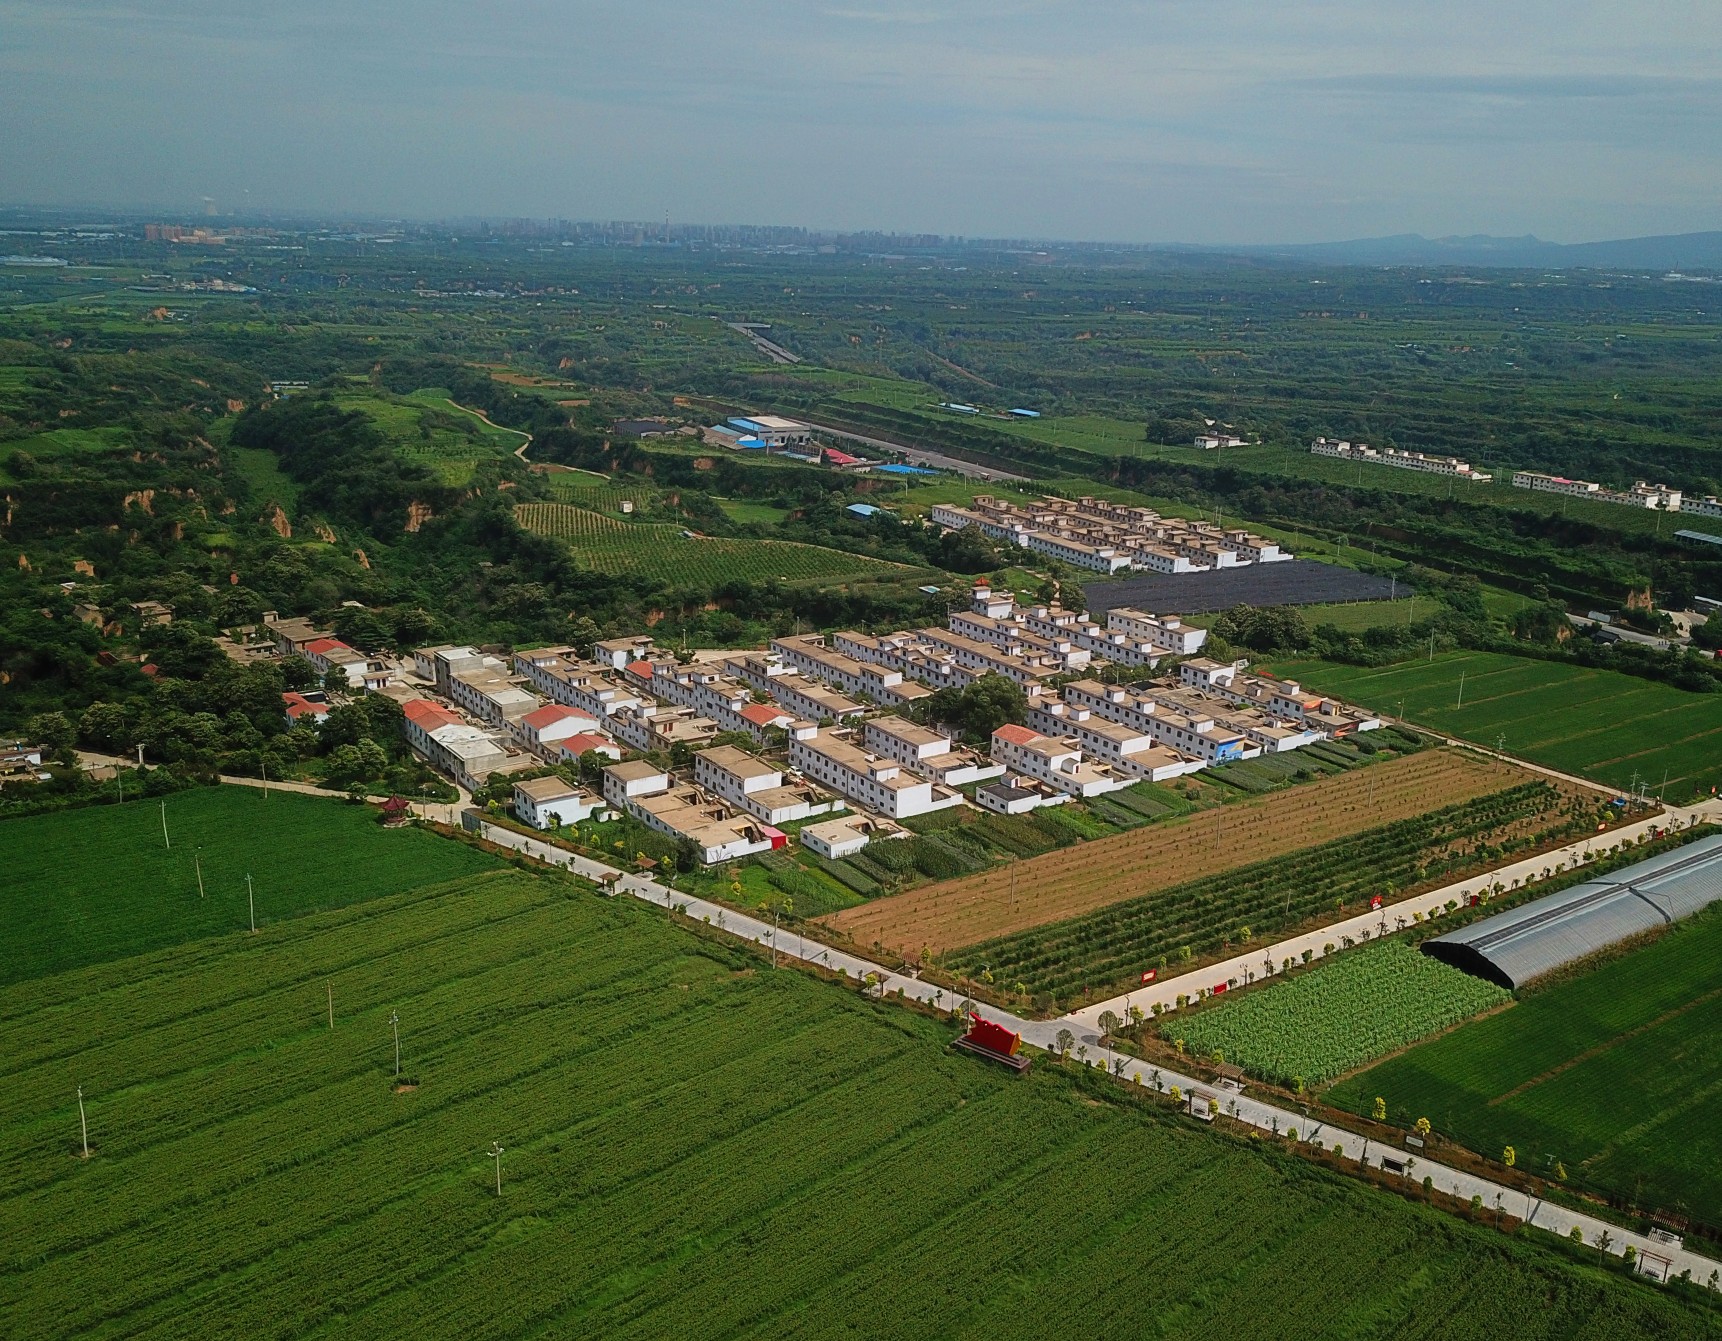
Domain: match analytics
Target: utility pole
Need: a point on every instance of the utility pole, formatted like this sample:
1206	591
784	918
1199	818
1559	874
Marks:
395	1025
264	762
1461	702
197	861
331	990
83	1125
165	840
251	902
495	1152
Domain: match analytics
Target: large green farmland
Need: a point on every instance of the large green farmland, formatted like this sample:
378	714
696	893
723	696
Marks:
693	1145
1615	1074
1599	723
86	886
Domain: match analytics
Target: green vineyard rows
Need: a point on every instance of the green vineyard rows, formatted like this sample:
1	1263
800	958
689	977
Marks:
1338	1017
1112	945
665	553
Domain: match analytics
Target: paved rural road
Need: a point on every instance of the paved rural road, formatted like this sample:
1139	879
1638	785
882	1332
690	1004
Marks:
1244	968
1044	1034
918	456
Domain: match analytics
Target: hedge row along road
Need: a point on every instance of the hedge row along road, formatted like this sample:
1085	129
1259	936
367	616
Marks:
1068	883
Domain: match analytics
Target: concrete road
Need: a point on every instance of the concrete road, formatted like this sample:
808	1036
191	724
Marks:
1044	1034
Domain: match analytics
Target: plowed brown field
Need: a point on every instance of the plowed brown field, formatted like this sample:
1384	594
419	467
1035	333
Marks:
1079	879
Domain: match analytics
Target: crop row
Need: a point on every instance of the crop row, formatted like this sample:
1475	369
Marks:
1339	1016
1114	944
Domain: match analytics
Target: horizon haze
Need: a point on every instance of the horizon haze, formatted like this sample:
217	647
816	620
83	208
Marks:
1161	123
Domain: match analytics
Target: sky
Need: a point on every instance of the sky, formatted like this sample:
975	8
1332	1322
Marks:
1204	121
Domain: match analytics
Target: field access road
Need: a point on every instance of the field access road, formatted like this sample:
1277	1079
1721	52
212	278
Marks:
1252	964
1044	1034
918	456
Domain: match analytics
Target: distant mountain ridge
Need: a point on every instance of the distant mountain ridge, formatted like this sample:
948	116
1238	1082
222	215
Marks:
1677	251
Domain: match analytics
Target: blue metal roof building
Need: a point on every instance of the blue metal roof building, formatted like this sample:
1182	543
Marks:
863	510
904	470
1515	947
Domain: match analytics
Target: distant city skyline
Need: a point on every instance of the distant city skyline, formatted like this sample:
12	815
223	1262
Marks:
1154	122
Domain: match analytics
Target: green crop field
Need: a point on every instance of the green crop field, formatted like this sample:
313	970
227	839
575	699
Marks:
1598	723
693	1145
86	886
1617	1074
428	428
663	552
1106	949
261	470
598	493
1335	1018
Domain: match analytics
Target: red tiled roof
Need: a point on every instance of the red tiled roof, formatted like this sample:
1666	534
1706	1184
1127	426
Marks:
422	712
762	714
641	668
321	645
550	714
587	740
1013	734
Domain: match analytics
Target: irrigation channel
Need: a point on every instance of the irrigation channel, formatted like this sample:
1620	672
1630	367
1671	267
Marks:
1044	1033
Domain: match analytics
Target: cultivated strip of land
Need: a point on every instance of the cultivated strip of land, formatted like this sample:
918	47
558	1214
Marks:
1070	882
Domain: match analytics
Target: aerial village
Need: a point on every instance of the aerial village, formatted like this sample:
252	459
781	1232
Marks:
824	738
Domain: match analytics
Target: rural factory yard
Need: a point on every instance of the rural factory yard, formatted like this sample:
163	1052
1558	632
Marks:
1076	880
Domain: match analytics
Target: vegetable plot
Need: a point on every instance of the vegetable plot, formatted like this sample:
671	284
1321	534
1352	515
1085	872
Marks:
1336	1018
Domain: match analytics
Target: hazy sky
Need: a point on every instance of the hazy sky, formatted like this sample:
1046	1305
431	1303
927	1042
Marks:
1152	120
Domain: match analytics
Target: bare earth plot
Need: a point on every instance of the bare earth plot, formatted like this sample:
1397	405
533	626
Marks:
1073	881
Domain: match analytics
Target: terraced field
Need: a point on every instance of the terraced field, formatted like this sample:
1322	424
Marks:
693	1145
1067	884
1596	723
666	553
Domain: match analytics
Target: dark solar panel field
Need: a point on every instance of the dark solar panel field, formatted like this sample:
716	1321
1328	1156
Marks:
1296	582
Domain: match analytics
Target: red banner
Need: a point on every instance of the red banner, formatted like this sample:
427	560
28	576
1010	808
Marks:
1148	975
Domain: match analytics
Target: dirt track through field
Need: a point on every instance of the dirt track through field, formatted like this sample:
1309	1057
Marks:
1076	880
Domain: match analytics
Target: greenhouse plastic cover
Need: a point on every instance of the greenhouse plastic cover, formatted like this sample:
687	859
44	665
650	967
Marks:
1514	947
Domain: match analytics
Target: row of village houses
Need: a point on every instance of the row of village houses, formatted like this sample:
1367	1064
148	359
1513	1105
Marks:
834	704
1109	537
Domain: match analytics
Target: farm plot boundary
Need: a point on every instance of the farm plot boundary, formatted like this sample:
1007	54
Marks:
1071	882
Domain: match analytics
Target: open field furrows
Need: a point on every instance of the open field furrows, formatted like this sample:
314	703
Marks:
1068	883
89	885
1594	723
694	1146
1104	952
1616	1073
664	552
1338	1015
